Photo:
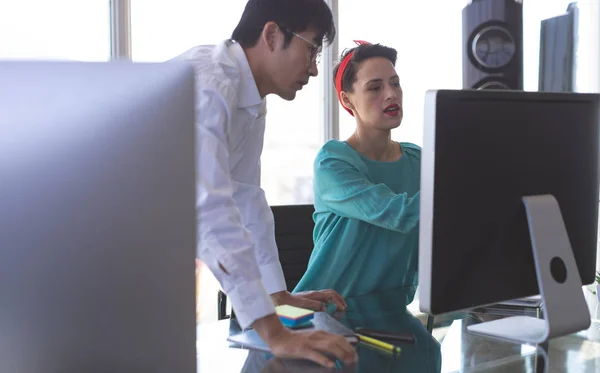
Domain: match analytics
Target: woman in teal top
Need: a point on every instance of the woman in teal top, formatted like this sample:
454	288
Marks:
366	189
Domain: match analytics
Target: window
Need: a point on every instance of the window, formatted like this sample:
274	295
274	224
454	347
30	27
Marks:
292	140
161	30
59	29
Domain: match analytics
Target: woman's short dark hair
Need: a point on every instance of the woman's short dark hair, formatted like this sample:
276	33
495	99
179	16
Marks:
290	15
361	53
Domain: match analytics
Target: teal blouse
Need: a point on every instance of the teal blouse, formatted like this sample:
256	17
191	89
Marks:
366	222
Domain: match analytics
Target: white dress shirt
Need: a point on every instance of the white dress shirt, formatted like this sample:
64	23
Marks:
236	231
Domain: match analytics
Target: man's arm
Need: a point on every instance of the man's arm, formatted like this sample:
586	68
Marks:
224	244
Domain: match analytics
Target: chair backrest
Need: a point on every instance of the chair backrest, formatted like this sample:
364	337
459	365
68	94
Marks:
294	236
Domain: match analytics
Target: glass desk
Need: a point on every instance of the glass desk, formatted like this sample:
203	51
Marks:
448	349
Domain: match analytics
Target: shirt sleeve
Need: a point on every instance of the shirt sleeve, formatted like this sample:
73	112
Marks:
260	222
224	243
345	190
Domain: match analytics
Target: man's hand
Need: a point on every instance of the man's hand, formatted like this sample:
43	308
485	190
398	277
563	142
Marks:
312	300
311	345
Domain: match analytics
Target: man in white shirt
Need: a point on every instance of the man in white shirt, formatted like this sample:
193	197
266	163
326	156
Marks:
272	50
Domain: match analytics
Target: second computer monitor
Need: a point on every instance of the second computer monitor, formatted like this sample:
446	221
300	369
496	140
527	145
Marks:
483	152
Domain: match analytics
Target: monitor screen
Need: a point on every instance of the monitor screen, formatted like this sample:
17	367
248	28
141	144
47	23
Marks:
483	151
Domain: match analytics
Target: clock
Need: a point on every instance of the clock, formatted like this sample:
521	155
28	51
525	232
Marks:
493	47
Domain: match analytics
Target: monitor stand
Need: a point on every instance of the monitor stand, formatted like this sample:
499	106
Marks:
563	302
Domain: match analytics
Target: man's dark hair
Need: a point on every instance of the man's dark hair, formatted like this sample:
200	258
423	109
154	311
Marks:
290	15
361	53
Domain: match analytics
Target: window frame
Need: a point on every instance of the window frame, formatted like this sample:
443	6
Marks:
120	29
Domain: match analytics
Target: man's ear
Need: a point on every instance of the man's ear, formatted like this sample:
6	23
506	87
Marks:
269	35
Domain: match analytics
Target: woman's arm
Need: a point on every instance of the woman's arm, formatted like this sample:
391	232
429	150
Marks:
347	192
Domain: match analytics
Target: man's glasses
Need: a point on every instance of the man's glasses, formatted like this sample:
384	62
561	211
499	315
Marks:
315	50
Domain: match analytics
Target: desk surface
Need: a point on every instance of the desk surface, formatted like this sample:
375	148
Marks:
456	351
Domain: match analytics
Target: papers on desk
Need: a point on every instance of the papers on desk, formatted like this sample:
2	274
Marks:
321	321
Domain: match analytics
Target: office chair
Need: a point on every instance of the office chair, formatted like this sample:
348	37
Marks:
294	237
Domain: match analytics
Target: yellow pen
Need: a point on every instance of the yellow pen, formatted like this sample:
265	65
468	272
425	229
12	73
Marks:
378	343
371	347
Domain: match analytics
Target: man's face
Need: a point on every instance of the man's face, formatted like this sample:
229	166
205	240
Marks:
293	65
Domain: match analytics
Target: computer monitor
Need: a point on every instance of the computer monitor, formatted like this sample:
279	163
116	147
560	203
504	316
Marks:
502	170
558	45
97	217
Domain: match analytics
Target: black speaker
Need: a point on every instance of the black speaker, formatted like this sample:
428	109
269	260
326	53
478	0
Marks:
493	44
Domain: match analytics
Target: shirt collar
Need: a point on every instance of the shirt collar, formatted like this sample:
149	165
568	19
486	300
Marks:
248	95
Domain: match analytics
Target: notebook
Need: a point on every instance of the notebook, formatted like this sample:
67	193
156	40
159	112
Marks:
321	321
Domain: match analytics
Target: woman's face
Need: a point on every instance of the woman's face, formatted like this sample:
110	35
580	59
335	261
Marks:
376	99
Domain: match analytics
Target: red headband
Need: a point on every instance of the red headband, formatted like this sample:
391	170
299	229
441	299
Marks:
340	73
